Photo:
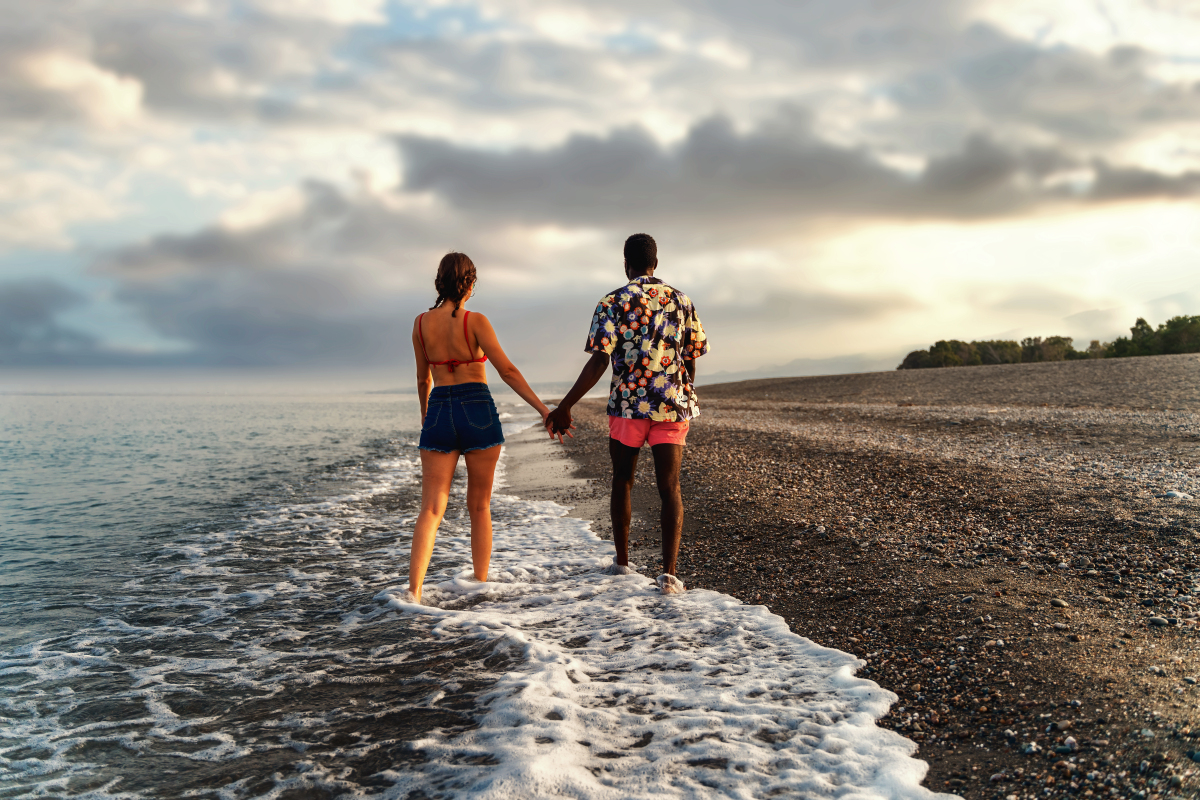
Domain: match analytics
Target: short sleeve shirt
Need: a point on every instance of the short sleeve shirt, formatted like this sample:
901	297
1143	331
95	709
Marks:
648	329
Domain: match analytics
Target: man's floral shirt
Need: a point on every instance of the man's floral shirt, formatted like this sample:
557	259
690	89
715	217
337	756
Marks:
649	329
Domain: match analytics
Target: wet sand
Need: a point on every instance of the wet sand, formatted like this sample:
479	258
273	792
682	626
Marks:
988	539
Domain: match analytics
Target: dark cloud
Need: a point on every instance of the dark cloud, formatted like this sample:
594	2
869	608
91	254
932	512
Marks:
297	290
718	176
29	330
273	319
779	170
1121	183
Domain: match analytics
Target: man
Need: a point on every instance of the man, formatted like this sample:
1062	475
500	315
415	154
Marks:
652	336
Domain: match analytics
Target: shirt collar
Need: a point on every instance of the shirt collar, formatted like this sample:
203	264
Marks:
643	279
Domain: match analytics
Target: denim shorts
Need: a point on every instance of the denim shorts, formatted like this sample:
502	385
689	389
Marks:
461	417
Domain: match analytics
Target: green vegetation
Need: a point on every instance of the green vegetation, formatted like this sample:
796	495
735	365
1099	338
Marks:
1176	335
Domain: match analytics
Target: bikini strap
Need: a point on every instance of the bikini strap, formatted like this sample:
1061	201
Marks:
421	336
466	336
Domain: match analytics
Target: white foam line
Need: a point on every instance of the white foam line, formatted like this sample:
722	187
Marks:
620	692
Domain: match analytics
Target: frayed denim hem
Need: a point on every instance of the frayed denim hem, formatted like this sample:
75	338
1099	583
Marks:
434	449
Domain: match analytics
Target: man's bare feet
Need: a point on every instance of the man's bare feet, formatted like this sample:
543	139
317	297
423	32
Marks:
669	584
619	569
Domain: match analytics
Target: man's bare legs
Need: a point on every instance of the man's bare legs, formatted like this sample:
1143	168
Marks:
667	461
624	462
437	472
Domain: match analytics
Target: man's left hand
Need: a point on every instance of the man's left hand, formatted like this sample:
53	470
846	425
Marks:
558	423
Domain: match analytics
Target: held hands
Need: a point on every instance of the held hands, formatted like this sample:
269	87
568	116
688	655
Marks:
558	423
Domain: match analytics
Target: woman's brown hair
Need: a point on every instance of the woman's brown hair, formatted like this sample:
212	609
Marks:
455	275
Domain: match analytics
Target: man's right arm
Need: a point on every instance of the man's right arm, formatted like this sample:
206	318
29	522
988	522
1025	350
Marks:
559	420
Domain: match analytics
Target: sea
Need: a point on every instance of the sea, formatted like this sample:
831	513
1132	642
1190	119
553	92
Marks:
202	598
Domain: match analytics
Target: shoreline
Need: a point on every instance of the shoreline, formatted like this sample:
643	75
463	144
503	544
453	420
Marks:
997	567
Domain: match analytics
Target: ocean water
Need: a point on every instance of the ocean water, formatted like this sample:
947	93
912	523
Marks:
202	599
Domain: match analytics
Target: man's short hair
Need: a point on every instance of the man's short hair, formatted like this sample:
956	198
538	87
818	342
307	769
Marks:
641	252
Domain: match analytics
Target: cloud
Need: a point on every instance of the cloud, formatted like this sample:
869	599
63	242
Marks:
1122	183
57	85
535	135
778	172
332	276
300	286
29	330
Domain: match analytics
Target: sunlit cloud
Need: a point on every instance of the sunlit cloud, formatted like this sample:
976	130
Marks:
273	182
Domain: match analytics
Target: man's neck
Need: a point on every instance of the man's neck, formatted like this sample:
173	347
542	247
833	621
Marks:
646	274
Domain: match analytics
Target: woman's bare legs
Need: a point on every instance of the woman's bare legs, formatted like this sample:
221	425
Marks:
437	470
481	472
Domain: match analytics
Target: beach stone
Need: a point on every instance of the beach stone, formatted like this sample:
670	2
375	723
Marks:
1057	603
1158	622
1174	495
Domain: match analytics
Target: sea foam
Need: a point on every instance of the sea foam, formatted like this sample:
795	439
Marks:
267	652
621	692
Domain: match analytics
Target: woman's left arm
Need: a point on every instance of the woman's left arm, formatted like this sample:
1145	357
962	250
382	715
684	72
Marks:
490	344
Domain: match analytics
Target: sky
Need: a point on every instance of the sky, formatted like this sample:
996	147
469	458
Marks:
269	184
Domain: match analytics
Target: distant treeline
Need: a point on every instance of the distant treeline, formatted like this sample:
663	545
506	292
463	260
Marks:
1176	335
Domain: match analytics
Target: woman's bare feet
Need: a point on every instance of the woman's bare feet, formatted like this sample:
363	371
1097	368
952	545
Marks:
409	597
619	569
669	584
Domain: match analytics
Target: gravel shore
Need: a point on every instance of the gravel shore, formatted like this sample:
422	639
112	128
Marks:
999	544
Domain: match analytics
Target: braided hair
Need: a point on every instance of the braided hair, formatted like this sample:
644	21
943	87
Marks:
455	274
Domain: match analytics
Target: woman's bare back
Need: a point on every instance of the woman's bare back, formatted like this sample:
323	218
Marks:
444	341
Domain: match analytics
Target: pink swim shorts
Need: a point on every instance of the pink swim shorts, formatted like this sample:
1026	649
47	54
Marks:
636	432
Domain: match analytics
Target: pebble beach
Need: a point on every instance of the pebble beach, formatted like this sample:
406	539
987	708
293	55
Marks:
1010	549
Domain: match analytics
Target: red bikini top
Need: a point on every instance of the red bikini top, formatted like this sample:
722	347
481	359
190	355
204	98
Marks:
452	363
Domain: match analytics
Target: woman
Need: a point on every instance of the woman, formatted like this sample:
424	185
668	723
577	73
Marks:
451	344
